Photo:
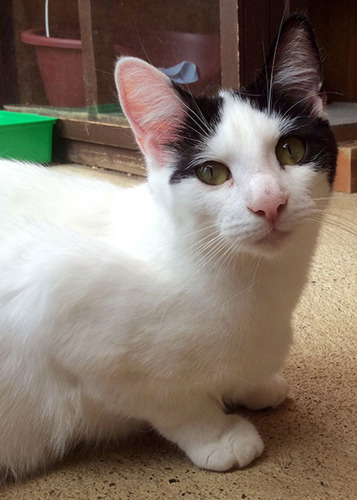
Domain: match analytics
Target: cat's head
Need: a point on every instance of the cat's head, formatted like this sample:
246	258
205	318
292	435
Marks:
249	163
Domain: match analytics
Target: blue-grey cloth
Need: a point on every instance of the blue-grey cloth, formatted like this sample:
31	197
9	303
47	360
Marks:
183	72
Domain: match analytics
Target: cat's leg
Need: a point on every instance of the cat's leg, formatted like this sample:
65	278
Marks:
212	439
270	394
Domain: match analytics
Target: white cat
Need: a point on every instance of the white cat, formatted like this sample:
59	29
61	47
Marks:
170	302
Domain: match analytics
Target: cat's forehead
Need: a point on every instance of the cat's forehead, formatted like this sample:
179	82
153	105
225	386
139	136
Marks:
244	130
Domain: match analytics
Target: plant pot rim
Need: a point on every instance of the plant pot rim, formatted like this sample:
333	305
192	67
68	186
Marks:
36	36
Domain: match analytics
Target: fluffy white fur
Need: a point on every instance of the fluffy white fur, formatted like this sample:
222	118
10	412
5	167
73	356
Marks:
153	305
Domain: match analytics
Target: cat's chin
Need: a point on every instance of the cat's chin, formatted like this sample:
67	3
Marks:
270	245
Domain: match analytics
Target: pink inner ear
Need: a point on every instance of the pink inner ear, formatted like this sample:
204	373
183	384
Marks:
151	104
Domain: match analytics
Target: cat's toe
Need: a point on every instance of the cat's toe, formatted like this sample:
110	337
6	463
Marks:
269	395
235	449
280	390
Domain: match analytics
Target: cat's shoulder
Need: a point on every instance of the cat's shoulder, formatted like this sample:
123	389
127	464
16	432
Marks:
48	185
18	172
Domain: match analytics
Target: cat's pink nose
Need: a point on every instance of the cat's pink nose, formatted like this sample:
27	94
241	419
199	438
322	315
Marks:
266	197
270	208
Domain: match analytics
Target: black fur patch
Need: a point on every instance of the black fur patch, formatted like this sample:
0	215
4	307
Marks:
316	133
203	115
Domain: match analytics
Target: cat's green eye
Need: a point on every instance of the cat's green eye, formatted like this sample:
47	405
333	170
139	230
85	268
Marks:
290	150
213	173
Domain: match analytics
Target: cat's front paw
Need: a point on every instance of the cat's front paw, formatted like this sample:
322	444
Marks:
237	447
270	394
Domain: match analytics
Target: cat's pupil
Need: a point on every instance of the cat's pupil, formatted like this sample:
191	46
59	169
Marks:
209	170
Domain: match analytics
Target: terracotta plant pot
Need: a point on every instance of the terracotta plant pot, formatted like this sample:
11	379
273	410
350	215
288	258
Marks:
60	64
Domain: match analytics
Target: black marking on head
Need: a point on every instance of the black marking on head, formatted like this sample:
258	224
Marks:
203	116
314	130
316	133
204	113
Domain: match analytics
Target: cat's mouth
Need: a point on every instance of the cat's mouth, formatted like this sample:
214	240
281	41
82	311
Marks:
274	239
266	240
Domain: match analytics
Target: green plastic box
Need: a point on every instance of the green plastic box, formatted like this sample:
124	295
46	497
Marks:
25	136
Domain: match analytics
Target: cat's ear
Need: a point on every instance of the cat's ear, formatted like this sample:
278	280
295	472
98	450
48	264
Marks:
293	65
151	104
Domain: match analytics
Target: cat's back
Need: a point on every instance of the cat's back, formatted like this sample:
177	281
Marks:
32	186
32	193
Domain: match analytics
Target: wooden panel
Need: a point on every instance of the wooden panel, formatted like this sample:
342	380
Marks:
346	173
98	133
102	36
8	70
108	157
345	132
193	16
229	37
335	25
253	43
259	22
89	65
